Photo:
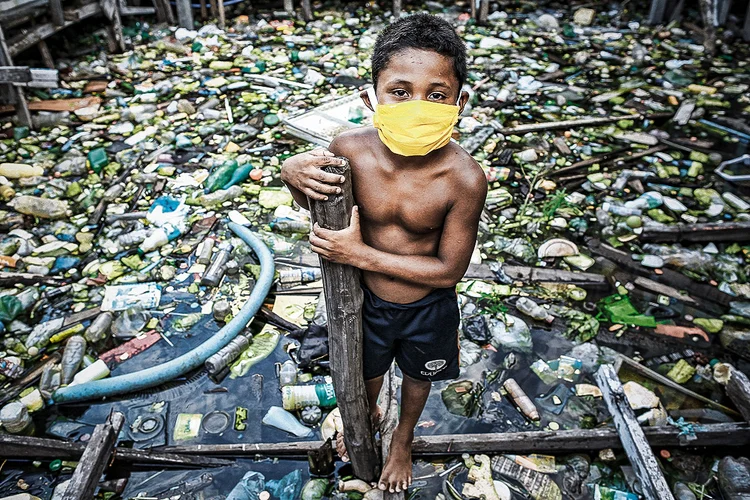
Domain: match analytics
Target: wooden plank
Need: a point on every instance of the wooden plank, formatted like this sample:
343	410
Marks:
397	8
56	12
698	233
64	104
738	390
32	36
307	13
96	457
746	26
137	11
222	15
15	74
656	13
708	435
344	305
12	93
633	439
12	446
46	54
673	278
484	10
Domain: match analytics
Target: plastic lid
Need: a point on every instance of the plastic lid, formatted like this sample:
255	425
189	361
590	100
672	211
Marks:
55	465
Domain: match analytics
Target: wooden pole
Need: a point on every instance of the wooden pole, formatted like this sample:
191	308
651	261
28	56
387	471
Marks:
214	8
204	10
746	26
344	305
56	12
396	8
46	54
717	435
95	459
637	447
222	20
11	92
289	7
738	390
656	14
185	14
484	11
700	233
307	14
708	14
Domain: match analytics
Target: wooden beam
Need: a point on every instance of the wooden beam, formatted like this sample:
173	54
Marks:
633	439
46	54
698	233
307	13
56	12
32	36
12	446
592	121
15	74
746	26
12	93
185	14
738	390
204	11
708	435
484	10
289	7
344	305
96	457
672	278
222	18
656	13
396	8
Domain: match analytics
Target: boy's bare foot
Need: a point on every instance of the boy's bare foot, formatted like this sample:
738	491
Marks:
375	416
396	475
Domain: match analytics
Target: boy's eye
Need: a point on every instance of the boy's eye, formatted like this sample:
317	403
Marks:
399	93
437	96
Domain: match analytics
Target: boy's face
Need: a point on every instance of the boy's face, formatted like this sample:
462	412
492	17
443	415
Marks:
418	74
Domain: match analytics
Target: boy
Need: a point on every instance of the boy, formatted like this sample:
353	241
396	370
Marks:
419	198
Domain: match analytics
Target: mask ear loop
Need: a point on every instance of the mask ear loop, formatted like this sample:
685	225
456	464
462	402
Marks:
372	96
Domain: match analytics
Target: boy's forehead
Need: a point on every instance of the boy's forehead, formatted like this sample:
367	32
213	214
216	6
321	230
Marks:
417	66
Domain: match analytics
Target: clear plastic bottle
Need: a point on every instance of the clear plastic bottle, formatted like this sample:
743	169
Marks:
159	238
75	348
133	237
620	210
130	322
95	371
50	380
220	196
44	208
288	373
19	170
533	310
99	328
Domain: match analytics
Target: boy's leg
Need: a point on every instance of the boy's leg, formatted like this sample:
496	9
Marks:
372	386
396	475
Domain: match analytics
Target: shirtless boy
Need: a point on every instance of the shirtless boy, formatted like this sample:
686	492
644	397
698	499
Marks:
419	198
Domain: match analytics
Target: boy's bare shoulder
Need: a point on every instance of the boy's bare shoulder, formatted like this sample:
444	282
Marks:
350	143
468	175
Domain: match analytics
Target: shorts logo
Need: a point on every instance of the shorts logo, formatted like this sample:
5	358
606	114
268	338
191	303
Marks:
435	365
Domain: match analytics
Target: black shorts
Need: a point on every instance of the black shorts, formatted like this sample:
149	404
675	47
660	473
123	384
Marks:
421	336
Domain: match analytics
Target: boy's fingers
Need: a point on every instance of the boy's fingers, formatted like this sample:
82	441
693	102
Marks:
331	160
320	152
319	242
323	188
314	195
322	232
327	177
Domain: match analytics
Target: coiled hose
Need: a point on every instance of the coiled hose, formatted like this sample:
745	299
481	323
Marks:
150	377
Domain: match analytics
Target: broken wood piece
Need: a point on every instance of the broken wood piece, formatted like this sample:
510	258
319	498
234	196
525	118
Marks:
185	13
634	441
738	390
649	373
64	104
344	299
698	233
95	86
591	121
30	37
720	435
96	457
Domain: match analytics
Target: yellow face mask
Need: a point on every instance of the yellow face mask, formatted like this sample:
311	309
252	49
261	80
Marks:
413	128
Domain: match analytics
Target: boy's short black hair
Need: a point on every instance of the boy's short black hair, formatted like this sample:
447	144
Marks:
419	31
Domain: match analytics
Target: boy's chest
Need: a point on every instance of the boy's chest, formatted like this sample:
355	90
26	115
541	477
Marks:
415	203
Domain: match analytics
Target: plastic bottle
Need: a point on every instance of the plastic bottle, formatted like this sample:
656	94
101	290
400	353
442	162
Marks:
619	210
159	238
533	310
113	192
16	419
98	159
215	272
648	200
130	322
285	421
221	310
220	176
227	354
75	348
288	373
206	251
284	225
99	328
239	175
220	196
296	397
44	208
50	380
521	399
298	276
95	371
19	170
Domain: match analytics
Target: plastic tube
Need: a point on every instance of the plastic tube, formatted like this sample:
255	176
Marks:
177	367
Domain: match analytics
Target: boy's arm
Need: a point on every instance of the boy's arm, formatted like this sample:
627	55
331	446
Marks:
442	271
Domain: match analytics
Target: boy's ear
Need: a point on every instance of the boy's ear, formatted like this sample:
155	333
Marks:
366	99
462	101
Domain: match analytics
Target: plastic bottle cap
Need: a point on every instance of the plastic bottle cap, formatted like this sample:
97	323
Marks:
55	465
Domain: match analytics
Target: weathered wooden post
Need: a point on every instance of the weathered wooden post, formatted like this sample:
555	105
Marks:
631	435
344	305
185	14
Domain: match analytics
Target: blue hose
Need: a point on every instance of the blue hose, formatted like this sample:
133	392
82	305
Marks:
170	370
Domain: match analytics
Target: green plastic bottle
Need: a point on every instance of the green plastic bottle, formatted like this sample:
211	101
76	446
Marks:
220	176
98	159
